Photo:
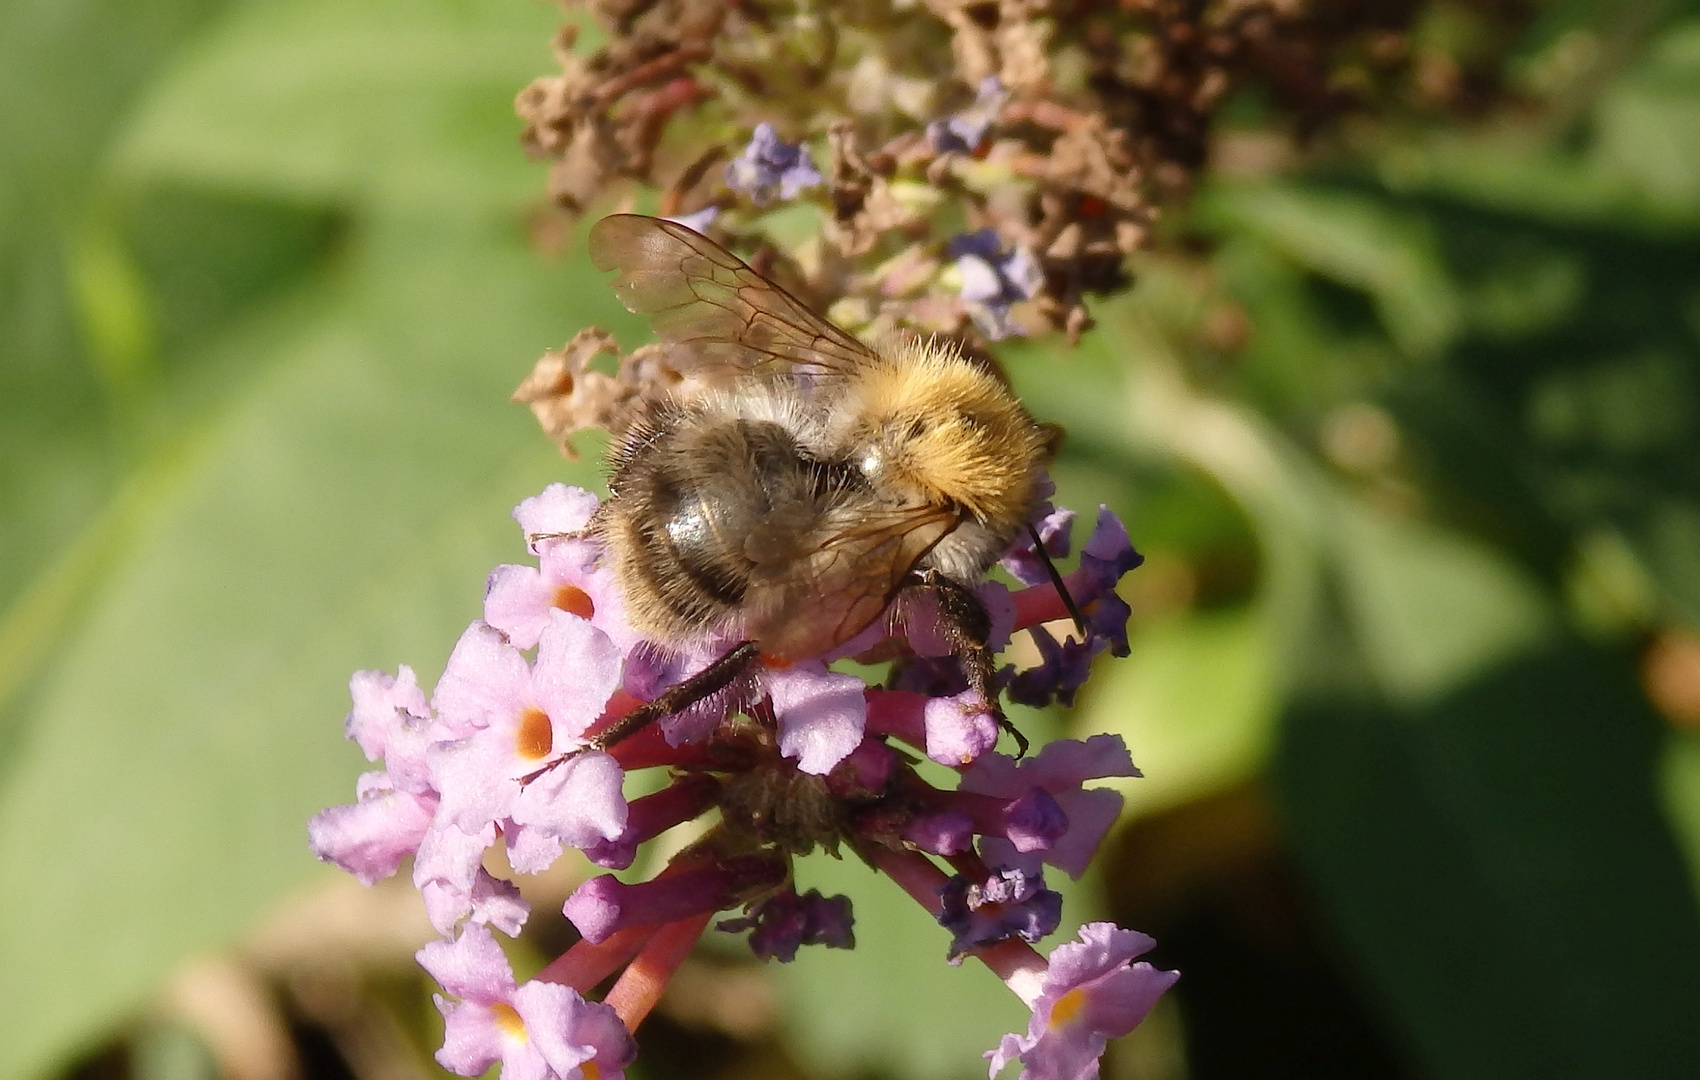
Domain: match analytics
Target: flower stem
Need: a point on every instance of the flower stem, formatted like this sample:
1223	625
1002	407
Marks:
639	989
586	964
1014	961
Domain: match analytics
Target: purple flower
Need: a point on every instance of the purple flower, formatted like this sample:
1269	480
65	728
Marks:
770	167
821	713
382	706
959	728
993	280
1091	994
1056	528
569	576
966	131
449	873
370	838
789	755
783	922
1060	769
1106	556
538	1031
1062	670
1064	666
946	832
701	219
526	718
1009	903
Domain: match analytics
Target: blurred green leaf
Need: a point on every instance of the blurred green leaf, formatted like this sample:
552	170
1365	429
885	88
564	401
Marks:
891	1006
1431	609
331	500
1497	865
1356	241
406	102
1680	776
1195	704
340	511
69	73
1648	124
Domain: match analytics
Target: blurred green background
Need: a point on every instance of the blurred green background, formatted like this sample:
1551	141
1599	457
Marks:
1410	430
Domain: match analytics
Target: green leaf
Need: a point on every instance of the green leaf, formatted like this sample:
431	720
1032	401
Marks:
1356	241
1431	609
406	102
892	1006
1195	703
1648	124
69	73
1498	866
1680	780
339	510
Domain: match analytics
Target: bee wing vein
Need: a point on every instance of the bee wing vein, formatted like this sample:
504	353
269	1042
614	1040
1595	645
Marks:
698	293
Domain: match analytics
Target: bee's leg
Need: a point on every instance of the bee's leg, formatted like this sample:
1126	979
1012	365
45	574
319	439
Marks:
969	628
711	679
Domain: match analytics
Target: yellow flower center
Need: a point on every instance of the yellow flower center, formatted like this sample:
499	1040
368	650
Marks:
508	1020
536	736
590	1071
1067	1008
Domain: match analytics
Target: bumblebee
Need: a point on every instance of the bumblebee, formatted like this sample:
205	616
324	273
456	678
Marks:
817	480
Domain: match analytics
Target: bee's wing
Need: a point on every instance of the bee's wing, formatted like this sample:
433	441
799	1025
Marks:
697	293
847	578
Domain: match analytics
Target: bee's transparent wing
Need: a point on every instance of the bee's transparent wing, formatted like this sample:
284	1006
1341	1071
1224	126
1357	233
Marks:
698	294
849	575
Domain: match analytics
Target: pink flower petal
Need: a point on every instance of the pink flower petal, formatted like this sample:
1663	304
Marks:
821	714
558	509
370	838
485	678
517	601
578	669
472	966
381	704
578	801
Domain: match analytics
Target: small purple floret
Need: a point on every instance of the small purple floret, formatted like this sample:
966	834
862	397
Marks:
1063	669
537	1030
959	728
1022	560
1061	769
1092	993
370	838
770	167
1009	903
993	280
785	921
965	132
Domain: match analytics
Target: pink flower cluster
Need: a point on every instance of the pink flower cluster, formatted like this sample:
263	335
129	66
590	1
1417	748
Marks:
793	757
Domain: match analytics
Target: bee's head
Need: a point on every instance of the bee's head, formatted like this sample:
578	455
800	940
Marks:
943	430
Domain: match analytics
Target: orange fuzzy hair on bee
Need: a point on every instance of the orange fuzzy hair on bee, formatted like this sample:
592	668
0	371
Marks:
952	433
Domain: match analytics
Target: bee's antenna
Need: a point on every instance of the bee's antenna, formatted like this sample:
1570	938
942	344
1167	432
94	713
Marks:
1056	580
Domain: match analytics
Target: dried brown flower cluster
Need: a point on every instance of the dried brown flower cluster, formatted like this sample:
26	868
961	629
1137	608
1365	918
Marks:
983	167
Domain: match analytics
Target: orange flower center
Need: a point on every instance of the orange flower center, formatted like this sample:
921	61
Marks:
589	1070
536	736
574	601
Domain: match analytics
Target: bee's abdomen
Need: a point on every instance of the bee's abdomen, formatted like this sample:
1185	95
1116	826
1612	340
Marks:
686	506
698	544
